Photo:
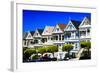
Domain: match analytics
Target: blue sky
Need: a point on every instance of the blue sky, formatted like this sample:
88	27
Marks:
33	19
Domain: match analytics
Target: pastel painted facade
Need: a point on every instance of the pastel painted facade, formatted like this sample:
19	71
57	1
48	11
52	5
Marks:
38	38
28	39
47	35
71	35
85	29
58	35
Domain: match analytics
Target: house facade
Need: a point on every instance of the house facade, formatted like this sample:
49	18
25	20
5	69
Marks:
85	29
58	35
71	35
28	39
47	35
38	37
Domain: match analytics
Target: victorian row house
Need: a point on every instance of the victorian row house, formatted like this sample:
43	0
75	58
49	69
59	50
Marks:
71	33
58	35
85	29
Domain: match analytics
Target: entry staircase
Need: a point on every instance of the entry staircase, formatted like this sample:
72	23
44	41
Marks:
78	55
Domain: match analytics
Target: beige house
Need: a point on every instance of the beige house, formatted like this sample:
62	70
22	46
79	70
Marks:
47	35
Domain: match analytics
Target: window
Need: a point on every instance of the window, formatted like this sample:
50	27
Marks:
35	41
37	34
76	45
57	29
77	34
29	35
88	30
56	37
70	26
32	42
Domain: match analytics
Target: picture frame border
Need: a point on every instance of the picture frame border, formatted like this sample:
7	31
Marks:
14	40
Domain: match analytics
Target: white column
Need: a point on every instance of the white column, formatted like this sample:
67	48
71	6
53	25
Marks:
47	38
39	41
26	42
50	38
29	42
58	37
61	37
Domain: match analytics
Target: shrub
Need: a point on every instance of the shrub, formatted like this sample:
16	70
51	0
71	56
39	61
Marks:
28	52
35	57
86	54
41	50
52	49
85	44
67	47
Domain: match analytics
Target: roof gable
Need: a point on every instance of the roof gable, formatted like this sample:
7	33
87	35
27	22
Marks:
48	30
62	26
85	22
59	28
70	26
38	33
29	36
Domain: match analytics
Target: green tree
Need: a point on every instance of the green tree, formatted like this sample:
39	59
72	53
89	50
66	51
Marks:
52	48
28	52
41	50
67	47
87	46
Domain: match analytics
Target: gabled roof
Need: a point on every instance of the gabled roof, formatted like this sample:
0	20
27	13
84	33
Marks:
48	30
85	18
76	23
40	31
62	26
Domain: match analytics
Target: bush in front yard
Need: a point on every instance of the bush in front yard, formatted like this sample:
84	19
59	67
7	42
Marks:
85	44
35	57
67	47
86	54
52	49
28	52
41	50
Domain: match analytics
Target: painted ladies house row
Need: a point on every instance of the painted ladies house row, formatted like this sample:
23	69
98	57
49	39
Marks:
71	33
